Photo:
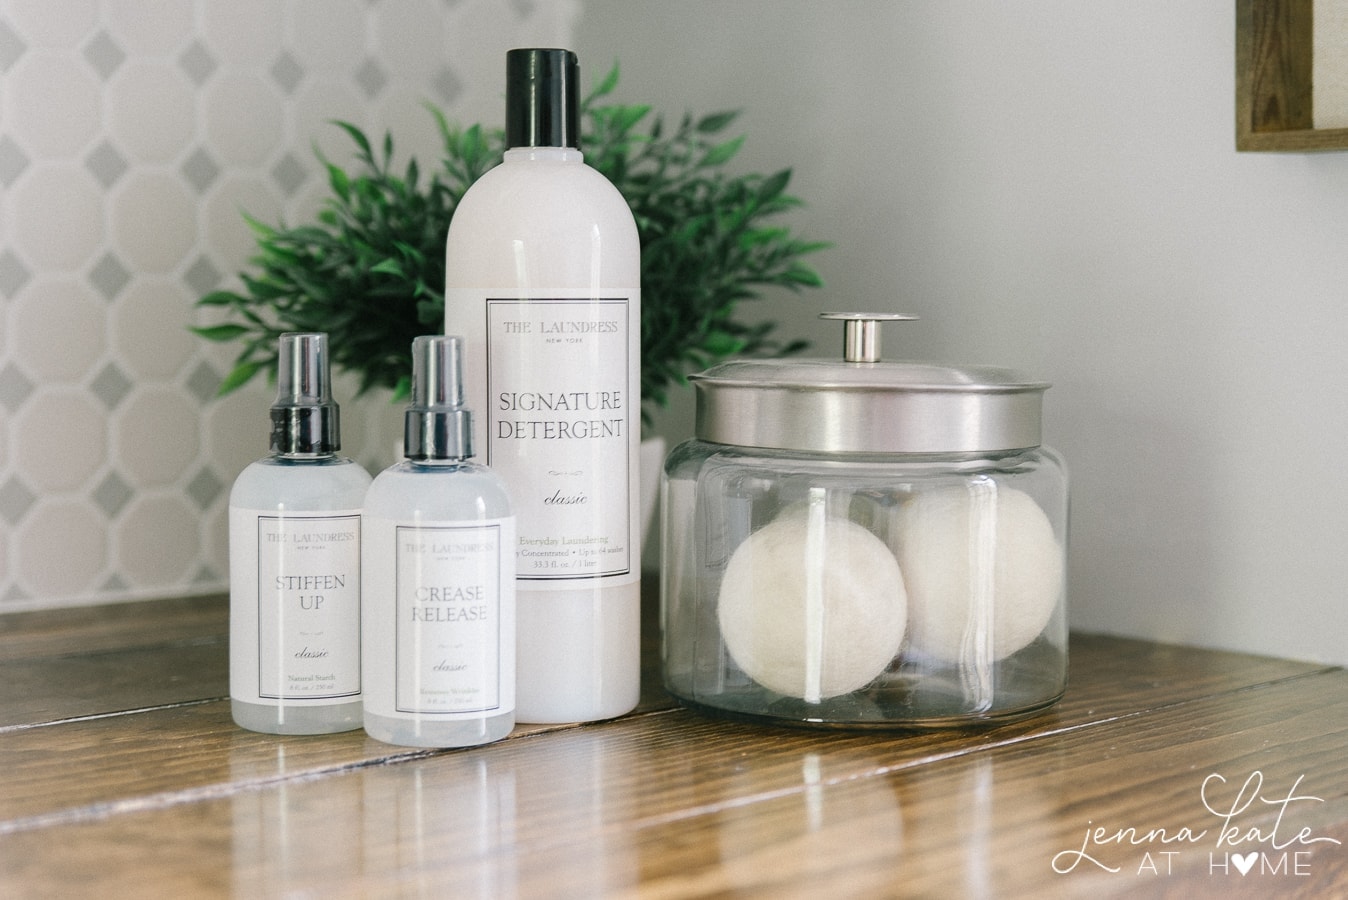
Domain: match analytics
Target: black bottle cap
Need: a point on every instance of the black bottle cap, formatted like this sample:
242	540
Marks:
542	98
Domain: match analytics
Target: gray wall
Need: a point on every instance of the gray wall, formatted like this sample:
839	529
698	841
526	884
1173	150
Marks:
1053	186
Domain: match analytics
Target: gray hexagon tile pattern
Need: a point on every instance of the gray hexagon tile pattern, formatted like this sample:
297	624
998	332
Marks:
132	135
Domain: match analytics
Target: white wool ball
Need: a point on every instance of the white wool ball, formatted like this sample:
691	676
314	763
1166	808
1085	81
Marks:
963	546
812	606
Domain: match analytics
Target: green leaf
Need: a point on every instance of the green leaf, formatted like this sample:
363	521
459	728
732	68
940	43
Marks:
772	187
764	236
722	153
803	275
716	121
221	298
441	121
339	181
626	117
388	267
431	312
226	332
803	247
262	232
238	377
605	86
357	136
720	343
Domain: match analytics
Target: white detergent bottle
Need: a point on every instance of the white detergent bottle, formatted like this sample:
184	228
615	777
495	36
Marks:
543	281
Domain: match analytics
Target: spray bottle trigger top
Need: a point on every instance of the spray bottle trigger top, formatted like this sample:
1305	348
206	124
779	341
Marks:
437	425
304	418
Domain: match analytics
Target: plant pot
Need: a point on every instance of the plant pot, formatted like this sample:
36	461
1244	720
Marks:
652	461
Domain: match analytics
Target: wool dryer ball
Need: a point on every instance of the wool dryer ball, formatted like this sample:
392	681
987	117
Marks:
764	606
938	539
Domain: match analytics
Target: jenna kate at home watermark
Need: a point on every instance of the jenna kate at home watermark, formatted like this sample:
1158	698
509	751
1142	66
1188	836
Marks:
1240	839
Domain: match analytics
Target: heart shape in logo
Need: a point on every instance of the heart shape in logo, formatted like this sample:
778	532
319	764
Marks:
1244	863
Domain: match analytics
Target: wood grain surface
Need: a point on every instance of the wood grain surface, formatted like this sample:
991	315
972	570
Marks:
1162	772
1274	89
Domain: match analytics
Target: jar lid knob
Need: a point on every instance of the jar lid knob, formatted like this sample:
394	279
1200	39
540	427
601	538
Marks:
861	333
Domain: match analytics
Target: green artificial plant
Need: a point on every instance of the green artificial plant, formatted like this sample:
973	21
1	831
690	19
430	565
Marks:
370	271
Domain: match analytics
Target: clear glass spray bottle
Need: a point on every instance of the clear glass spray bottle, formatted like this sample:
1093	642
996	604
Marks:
294	562
439	575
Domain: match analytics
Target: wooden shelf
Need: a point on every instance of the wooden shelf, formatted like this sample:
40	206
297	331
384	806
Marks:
123	776
1273	79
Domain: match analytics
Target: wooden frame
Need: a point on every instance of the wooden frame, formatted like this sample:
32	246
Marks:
1273	79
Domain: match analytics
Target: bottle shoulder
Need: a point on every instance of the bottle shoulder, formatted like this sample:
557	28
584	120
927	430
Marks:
526	194
300	485
548	166
531	224
438	492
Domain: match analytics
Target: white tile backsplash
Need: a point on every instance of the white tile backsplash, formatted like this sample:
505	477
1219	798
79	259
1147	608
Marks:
133	133
52	98
46	24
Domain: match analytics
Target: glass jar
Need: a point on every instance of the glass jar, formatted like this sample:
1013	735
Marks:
859	542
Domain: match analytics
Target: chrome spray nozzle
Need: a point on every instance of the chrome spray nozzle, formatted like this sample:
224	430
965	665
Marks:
304	418
437	425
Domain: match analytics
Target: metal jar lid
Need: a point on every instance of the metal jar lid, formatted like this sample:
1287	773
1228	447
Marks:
862	404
